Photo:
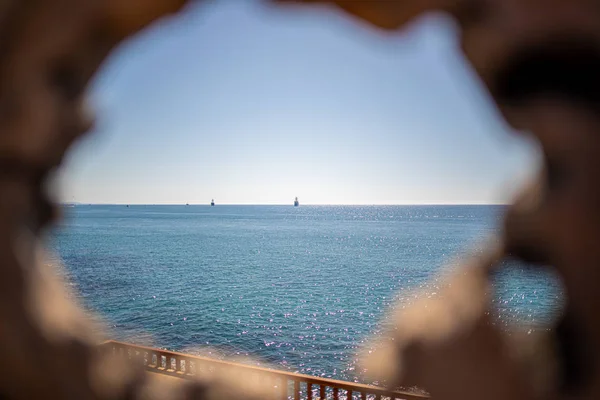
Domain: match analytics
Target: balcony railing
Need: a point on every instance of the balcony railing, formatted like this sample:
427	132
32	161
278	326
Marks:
285	385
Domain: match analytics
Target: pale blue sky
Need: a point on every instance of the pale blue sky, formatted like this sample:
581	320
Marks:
248	104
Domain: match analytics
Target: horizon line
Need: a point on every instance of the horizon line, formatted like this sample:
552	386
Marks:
285	204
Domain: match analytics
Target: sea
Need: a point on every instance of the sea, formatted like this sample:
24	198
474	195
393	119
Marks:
296	288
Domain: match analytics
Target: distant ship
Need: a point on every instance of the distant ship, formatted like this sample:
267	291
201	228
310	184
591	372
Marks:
212	203
296	202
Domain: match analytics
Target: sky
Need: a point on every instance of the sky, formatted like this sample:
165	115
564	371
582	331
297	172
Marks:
254	104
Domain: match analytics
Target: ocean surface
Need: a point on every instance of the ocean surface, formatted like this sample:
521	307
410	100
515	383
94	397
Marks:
300	289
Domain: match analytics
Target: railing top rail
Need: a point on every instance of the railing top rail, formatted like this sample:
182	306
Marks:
290	375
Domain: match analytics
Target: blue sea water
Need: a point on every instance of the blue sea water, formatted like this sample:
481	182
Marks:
298	288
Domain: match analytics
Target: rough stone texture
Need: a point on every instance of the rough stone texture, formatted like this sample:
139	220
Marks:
538	59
